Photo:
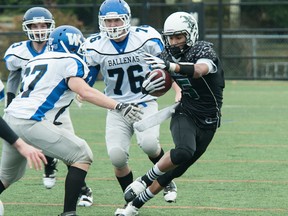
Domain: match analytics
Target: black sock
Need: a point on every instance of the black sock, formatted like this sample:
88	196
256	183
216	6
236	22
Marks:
146	180
84	184
2	188
142	198
125	180
73	183
49	160
84	187
155	160
137	202
152	175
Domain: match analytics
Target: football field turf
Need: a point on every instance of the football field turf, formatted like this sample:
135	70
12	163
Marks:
244	171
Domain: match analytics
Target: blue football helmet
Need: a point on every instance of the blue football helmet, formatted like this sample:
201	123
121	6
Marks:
114	9
38	15
67	39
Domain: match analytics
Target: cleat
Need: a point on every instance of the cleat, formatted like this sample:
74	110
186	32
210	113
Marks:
170	192
49	177
134	189
72	213
119	211
130	210
85	197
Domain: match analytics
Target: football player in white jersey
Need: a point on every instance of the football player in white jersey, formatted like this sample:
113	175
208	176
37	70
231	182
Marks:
117	51
37	24
50	82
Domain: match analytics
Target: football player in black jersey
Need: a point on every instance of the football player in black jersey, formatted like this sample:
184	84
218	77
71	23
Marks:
195	67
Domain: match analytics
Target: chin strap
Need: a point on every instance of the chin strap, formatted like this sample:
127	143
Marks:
64	47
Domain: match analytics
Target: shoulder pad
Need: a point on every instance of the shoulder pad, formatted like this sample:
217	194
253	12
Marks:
201	49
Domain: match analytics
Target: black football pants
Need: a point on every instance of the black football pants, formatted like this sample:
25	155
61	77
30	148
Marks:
186	136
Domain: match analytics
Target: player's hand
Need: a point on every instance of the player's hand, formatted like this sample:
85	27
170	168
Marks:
34	156
156	62
130	112
149	86
78	100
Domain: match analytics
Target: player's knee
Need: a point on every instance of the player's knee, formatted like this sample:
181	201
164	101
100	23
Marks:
8	179
86	155
179	156
118	157
150	146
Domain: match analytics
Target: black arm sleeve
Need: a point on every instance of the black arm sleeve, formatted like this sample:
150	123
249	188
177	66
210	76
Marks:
7	133
10	97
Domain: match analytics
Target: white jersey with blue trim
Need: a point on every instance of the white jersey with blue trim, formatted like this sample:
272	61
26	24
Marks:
122	64
18	54
44	88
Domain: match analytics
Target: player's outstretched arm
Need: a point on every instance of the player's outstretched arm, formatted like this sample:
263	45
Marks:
92	95
130	112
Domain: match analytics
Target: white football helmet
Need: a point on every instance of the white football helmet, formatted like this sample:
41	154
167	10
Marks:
114	9
180	23
38	15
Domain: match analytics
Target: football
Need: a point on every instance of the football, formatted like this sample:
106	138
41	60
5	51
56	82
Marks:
168	81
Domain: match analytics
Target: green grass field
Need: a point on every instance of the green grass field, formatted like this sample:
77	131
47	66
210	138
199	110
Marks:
243	172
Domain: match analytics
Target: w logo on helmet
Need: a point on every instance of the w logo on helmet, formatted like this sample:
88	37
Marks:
65	38
74	39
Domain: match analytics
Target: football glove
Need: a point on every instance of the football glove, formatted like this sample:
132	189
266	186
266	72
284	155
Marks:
156	62
149	86
131	112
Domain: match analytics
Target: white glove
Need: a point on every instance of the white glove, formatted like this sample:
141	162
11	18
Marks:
156	62
149	86
131	112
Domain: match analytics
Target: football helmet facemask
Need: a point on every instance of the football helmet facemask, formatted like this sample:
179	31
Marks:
114	9
67	39
38	15
180	23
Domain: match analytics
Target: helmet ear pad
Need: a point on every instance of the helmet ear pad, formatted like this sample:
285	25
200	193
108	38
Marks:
37	15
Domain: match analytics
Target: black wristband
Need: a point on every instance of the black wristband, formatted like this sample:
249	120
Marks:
186	69
7	133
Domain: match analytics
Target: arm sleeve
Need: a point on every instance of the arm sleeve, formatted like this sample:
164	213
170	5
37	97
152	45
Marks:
13	82
92	76
7	133
212	67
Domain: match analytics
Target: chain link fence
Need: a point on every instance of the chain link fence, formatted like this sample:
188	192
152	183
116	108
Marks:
254	56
